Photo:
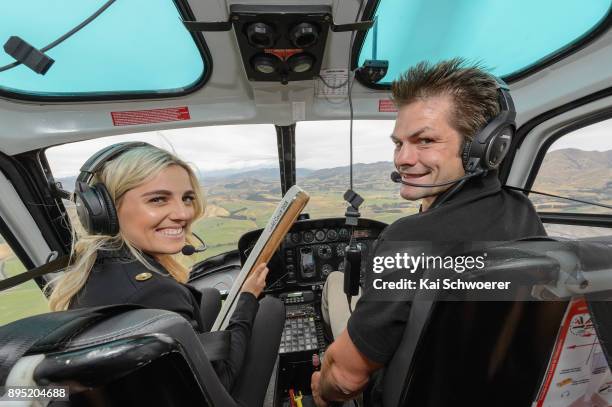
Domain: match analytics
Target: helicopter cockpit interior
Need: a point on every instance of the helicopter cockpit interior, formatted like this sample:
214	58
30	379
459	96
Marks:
262	95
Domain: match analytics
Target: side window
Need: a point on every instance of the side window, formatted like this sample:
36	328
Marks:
577	165
20	301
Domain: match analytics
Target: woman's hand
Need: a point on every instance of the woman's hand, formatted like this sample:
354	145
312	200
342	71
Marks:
256	282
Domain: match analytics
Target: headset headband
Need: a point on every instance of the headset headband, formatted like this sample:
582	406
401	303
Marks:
491	143
96	161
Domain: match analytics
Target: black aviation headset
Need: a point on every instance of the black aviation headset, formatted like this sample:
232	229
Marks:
94	204
490	145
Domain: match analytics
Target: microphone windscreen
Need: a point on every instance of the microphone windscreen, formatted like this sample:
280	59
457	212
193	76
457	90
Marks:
396	177
188	250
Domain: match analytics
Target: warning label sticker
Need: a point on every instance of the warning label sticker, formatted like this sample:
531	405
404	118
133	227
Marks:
133	117
578	374
386	106
332	83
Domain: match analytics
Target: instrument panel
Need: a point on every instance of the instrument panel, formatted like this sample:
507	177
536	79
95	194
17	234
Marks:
311	250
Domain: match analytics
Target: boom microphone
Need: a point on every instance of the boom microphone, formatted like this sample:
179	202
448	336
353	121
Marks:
188	249
397	178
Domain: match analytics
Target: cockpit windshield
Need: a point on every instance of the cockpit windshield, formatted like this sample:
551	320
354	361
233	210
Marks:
237	167
322	161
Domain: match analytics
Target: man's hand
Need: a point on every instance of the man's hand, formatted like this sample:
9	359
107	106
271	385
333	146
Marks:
344	374
314	386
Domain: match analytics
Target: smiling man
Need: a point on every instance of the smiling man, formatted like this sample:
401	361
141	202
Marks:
441	109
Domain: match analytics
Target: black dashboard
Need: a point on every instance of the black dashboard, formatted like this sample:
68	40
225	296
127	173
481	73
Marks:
311	250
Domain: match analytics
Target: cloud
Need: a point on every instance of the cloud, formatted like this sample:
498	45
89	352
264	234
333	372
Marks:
595	137
321	144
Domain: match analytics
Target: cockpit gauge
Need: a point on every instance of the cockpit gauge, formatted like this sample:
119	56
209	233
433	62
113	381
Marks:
325	251
308	236
344	234
296	237
320	235
332	234
307	263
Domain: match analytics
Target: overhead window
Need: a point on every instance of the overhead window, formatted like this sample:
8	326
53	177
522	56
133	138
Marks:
506	36
135	47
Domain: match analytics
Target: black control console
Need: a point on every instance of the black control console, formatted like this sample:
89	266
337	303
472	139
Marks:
309	253
303	331
302	343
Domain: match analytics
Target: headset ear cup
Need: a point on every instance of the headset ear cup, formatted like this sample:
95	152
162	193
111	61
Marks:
82	207
109	223
497	148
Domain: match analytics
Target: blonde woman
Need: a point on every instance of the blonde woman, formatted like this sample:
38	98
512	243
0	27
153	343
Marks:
136	204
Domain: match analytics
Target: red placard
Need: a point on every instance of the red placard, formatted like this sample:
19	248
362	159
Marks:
386	106
133	117
283	54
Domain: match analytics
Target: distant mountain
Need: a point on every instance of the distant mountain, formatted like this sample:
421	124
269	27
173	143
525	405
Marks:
589	172
258	173
573	169
374	176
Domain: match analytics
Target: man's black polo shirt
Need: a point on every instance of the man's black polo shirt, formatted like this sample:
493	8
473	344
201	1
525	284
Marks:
480	211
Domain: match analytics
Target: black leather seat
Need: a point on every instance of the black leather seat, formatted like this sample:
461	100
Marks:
477	354
137	357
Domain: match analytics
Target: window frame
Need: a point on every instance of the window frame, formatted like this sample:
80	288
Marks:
554	57
576	219
187	14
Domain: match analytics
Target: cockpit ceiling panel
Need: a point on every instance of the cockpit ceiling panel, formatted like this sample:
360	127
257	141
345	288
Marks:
136	48
507	37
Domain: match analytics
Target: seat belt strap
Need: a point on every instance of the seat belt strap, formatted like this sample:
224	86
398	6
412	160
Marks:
52	266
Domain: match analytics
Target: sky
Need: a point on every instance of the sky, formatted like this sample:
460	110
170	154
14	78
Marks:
318	145
322	144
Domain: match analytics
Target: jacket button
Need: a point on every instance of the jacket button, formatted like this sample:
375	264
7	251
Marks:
143	276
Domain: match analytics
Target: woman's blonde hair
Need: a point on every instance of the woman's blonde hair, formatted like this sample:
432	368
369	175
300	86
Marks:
125	172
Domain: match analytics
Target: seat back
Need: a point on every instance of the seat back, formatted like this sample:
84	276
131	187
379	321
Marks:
142	356
472	353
